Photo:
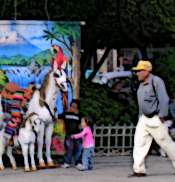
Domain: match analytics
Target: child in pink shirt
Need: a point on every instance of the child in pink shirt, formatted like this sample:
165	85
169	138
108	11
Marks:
88	144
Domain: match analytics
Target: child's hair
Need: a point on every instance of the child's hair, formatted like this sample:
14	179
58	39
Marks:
88	120
85	120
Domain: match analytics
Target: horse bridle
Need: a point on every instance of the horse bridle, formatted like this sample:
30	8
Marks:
48	108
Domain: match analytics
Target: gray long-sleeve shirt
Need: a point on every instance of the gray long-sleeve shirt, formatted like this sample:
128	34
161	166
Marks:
153	101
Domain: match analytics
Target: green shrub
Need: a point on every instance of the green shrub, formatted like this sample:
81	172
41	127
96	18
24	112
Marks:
164	66
98	102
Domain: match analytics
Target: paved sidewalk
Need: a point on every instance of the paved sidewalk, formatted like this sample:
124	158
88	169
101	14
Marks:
107	169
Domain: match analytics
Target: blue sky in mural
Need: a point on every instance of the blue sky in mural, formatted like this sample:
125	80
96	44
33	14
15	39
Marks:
25	38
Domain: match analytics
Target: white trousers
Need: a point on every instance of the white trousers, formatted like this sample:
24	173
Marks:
146	130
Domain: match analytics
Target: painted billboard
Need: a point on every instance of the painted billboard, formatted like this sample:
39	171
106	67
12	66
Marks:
27	50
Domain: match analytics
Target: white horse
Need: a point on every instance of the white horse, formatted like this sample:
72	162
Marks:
43	103
1	115
26	138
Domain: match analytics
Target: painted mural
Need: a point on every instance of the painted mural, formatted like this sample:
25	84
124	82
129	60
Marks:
27	51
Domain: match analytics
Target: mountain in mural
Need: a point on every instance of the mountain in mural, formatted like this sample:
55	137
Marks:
14	60
15	44
42	58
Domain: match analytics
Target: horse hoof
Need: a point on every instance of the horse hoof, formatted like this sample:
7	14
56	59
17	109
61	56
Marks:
14	167
27	169
42	165
33	168
1	168
51	164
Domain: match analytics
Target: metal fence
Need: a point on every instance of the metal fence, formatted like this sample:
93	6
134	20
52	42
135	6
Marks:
114	140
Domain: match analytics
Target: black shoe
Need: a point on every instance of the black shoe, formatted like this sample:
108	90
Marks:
137	175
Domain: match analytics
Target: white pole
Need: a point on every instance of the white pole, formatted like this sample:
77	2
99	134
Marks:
114	59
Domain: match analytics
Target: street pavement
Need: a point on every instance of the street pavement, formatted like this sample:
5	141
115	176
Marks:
107	169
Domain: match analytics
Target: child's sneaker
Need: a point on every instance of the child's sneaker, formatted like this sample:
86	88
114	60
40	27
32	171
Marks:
79	166
65	165
82	168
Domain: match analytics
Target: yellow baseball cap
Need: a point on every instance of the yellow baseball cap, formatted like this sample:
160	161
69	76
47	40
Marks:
143	65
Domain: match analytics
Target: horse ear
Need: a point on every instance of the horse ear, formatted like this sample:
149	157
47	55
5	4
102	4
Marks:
24	117
30	121
41	103
23	123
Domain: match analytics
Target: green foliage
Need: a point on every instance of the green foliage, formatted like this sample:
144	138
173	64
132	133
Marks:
165	67
108	21
61	31
69	29
97	101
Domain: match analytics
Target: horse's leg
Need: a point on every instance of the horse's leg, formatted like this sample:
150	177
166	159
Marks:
40	140
48	140
32	150
11	157
2	148
25	155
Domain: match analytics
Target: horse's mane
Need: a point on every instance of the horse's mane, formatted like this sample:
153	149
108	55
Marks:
43	89
26	119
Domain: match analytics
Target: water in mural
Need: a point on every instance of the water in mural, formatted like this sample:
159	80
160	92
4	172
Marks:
27	53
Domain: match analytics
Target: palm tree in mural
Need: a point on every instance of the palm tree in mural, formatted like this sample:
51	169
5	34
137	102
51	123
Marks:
68	34
65	33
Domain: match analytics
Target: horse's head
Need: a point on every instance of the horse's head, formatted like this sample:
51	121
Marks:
60	78
33	121
36	124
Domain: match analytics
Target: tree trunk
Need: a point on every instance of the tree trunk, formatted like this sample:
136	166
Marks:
75	71
92	75
86	59
144	53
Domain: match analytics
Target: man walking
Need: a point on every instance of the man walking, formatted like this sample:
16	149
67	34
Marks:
153	104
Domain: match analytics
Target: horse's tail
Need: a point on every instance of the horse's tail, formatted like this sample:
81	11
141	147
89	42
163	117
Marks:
2	141
1	116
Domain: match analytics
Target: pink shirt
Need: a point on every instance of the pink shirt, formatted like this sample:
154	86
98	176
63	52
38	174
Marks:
87	137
